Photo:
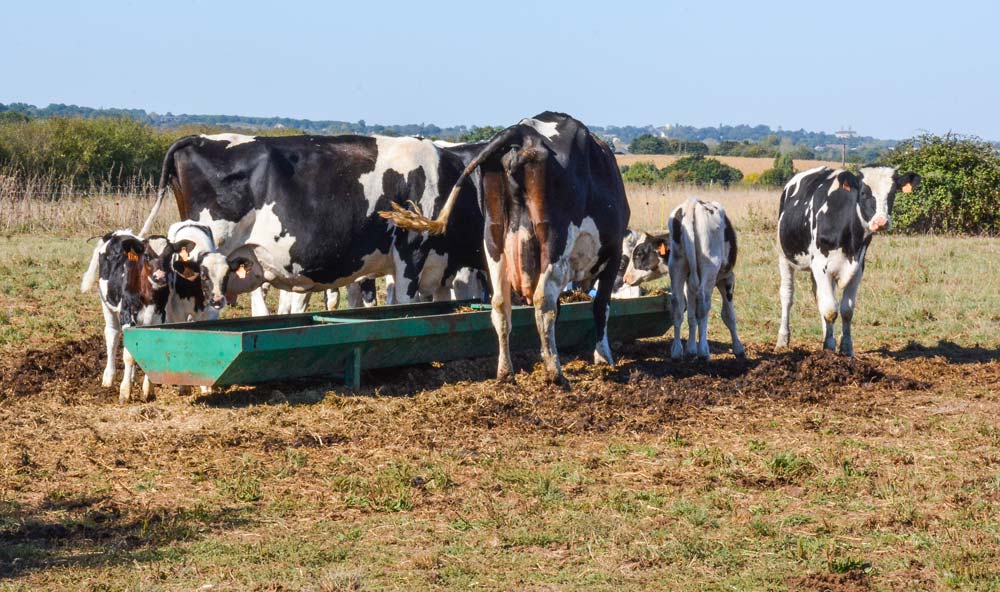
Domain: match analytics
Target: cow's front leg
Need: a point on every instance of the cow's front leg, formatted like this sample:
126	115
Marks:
787	295
112	337
678	306
332	300
726	287
125	389
258	307
500	314
826	301
848	300
147	388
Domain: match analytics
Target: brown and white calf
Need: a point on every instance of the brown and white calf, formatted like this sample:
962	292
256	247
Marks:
134	290
699	254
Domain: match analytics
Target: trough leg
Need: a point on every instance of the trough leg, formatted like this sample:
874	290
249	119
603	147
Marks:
352	371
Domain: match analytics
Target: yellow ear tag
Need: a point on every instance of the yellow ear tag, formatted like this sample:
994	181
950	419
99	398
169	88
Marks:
908	188
184	255
663	249
241	271
132	256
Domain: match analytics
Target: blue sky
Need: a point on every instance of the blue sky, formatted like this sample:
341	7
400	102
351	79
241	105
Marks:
889	69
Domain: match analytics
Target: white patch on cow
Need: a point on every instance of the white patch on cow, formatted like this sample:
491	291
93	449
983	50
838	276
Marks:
797	180
547	129
824	209
233	139
223	230
403	155
881	180
446	144
582	247
432	274
275	245
836	184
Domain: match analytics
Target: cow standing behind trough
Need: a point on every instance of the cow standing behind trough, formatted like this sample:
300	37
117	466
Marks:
701	255
555	212
826	221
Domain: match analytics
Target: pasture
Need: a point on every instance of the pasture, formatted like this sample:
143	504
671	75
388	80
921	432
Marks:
796	469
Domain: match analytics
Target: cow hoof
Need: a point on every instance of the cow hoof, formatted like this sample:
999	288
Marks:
847	351
559	380
739	351
782	340
124	397
108	379
677	351
505	377
830	345
603	357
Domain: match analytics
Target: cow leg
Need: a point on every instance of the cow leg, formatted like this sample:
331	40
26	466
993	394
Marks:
112	337
602	306
825	301
692	317
390	290
258	307
292	302
550	285
500	314
147	388
726	287
787	294
847	302
332	299
678	306
125	389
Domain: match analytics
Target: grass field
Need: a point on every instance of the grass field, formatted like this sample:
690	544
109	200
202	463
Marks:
745	164
792	470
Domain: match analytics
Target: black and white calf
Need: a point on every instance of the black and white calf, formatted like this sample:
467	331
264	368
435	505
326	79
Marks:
133	287
555	212
699	254
204	280
826	221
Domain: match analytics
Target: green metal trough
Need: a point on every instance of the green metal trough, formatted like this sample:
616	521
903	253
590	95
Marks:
342	342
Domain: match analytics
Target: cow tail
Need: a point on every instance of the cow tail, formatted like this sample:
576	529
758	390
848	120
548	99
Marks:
690	239
166	174
410	220
90	276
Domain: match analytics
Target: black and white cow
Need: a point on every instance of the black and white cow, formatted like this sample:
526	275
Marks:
304	209
698	253
133	288
826	221
555	212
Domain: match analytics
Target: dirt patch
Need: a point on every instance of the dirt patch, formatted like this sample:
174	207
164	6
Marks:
853	581
76	364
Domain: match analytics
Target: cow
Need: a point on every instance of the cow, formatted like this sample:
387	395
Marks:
555	212
301	211
134	291
205	281
699	253
826	220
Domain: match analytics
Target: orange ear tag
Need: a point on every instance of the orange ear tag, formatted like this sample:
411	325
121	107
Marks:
908	188
132	256
846	186
663	249
241	271
184	255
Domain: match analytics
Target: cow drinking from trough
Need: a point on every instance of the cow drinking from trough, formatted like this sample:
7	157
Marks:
826	221
555	212
699	254
304	208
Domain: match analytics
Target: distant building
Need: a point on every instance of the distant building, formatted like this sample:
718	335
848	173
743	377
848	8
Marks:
846	134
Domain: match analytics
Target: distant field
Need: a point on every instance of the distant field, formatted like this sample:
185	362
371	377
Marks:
745	164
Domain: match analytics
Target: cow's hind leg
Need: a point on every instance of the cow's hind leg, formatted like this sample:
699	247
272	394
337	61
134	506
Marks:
787	294
692	317
678	306
727	285
703	308
500	314
847	302
602	306
112	337
550	285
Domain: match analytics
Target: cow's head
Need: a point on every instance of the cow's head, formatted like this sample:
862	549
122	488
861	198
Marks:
225	277
177	257
141	258
877	193
647	260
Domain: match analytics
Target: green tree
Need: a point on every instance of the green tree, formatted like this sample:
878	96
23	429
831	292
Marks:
780	173
643	173
700	170
479	134
648	144
960	186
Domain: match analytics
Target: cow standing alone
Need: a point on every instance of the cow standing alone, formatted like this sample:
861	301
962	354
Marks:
555	212
826	221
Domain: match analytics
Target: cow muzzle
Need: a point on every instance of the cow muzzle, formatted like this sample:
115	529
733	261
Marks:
878	222
159	278
217	302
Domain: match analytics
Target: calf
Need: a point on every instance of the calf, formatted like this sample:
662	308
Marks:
555	212
205	279
826	221
133	287
699	254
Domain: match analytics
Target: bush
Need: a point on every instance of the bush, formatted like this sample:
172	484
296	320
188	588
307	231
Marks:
643	173
960	190
700	170
650	144
782	171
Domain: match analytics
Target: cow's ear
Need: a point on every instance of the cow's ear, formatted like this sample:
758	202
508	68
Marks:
246	273
188	270
907	182
184	249
133	248
848	182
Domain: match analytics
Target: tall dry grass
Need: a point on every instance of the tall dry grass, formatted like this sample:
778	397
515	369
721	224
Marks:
745	164
751	209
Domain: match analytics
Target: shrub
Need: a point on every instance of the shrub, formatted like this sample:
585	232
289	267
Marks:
643	173
700	170
960	190
650	144
780	173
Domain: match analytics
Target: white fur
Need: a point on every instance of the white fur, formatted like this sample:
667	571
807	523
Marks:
547	129
233	139
403	155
